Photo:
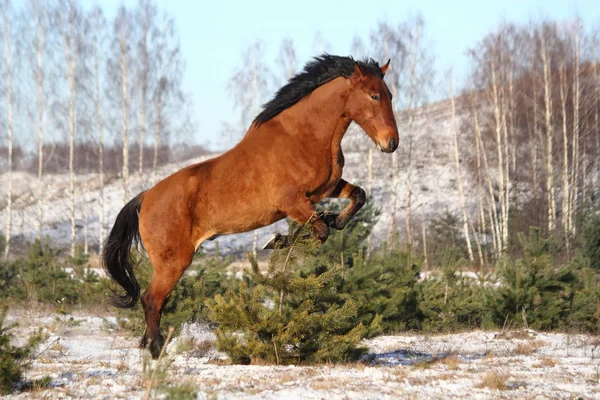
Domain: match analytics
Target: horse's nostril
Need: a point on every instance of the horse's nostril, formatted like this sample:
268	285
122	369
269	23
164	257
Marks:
392	145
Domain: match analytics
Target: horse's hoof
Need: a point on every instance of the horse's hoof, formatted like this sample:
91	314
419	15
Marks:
273	240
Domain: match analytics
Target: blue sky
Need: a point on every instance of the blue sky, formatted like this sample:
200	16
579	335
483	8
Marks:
214	33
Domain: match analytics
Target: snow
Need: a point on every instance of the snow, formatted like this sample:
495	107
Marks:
89	357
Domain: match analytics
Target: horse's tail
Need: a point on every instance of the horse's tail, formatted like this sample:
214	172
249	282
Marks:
117	259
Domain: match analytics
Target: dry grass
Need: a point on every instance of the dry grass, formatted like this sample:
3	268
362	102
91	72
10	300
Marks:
329	383
219	361
509	335
396	374
451	361
417	380
494	380
525	349
548	362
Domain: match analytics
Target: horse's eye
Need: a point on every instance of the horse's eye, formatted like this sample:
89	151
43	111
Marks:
375	97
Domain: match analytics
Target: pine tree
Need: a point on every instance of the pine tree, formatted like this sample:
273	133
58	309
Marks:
14	359
535	293
384	290
284	316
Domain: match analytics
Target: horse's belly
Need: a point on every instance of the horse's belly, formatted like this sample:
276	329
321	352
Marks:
239	222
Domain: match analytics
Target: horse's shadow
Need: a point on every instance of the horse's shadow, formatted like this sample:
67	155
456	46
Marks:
411	357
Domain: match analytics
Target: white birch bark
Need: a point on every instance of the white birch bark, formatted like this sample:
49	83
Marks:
39	44
575	159
123	64
549	135
458	174
9	124
100	124
501	158
565	165
70	57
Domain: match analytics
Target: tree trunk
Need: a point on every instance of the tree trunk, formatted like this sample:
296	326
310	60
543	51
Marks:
123	47
100	121
501	159
70	56
549	136
144	84
411	96
565	168
596	118
536	133
492	209
9	125
458	175
575	159
482	225
39	48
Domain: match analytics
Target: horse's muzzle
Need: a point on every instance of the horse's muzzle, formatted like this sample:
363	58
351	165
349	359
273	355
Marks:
391	147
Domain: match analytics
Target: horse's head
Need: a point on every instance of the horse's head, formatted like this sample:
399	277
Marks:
369	104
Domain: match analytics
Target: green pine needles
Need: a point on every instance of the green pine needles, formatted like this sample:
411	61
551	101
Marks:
287	315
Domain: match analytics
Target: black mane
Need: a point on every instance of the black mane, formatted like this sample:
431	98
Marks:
317	72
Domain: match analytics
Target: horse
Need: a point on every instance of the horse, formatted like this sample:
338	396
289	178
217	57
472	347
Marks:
289	159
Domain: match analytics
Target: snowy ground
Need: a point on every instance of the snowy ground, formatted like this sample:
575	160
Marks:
87	357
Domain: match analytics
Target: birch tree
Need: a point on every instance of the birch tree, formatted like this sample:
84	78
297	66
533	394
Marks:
573	198
7	34
287	60
145	17
565	165
39	28
98	35
387	43
420	77
549	132
458	173
122	30
71	35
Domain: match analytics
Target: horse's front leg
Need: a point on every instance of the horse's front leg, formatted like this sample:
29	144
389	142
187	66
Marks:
301	210
345	190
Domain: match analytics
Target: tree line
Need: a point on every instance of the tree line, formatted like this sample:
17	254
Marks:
89	94
524	127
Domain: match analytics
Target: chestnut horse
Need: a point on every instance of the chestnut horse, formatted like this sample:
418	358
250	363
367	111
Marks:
289	159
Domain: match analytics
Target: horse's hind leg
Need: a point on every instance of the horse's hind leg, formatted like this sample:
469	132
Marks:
169	264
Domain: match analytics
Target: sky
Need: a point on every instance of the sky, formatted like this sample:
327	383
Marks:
214	34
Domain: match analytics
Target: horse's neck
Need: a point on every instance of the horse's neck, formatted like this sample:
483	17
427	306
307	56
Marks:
323	112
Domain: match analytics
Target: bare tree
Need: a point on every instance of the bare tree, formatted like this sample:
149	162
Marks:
420	77
9	117
549	134
596	91
145	16
98	34
565	167
121	26
458	174
387	43
320	44
71	35
38	38
287	60
167	95
575	158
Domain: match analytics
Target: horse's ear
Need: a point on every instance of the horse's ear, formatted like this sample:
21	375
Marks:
385	67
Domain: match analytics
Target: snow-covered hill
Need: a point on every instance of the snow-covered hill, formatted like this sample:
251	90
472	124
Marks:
434	187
